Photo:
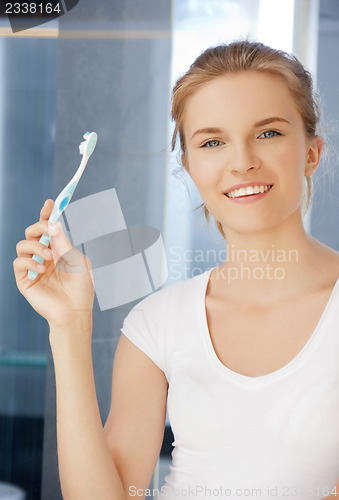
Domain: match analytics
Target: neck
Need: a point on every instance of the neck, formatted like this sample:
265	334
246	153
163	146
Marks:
269	263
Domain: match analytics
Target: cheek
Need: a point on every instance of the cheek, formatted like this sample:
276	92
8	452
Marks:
292	163
204	173
204	181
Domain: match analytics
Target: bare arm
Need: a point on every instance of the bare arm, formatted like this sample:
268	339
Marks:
98	463
86	467
135	426
94	463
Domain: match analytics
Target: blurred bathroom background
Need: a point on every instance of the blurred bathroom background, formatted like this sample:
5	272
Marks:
109	67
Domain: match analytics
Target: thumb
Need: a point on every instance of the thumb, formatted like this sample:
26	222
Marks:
60	244
66	257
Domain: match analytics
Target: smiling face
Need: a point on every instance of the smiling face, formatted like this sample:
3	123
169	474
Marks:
245	129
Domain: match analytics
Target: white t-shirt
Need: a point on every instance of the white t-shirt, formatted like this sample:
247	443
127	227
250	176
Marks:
272	436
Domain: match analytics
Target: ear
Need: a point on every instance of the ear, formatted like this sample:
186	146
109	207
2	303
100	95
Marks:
314	155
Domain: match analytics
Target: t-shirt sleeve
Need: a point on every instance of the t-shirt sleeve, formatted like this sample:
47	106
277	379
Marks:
142	327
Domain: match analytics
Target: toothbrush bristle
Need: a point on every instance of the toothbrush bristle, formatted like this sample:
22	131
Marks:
82	147
88	145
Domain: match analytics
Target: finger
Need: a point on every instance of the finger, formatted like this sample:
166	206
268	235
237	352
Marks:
60	244
67	258
23	265
46	210
35	231
27	248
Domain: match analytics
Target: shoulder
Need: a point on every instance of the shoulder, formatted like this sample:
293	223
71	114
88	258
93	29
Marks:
155	322
174	294
325	266
331	267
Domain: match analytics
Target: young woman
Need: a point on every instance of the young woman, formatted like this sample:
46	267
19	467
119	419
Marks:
246	355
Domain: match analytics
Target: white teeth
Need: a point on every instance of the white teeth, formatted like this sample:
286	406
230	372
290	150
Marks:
248	191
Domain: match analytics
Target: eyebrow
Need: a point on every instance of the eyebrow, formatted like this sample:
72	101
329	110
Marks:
215	130
207	130
266	121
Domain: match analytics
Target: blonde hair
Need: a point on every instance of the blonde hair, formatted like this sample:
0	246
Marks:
240	56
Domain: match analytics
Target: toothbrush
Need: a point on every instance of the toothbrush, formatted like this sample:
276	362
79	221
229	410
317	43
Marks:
86	148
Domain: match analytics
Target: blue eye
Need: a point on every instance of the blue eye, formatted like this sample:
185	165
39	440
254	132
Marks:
211	144
269	134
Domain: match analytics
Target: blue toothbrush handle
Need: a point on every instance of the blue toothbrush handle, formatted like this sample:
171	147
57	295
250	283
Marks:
60	205
45	239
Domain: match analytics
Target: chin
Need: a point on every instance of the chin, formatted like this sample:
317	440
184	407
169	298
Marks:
251	227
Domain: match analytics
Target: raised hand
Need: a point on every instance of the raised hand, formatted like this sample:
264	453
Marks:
63	292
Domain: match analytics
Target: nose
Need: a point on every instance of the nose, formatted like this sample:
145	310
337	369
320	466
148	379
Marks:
243	160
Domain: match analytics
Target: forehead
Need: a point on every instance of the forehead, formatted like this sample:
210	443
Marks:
242	98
